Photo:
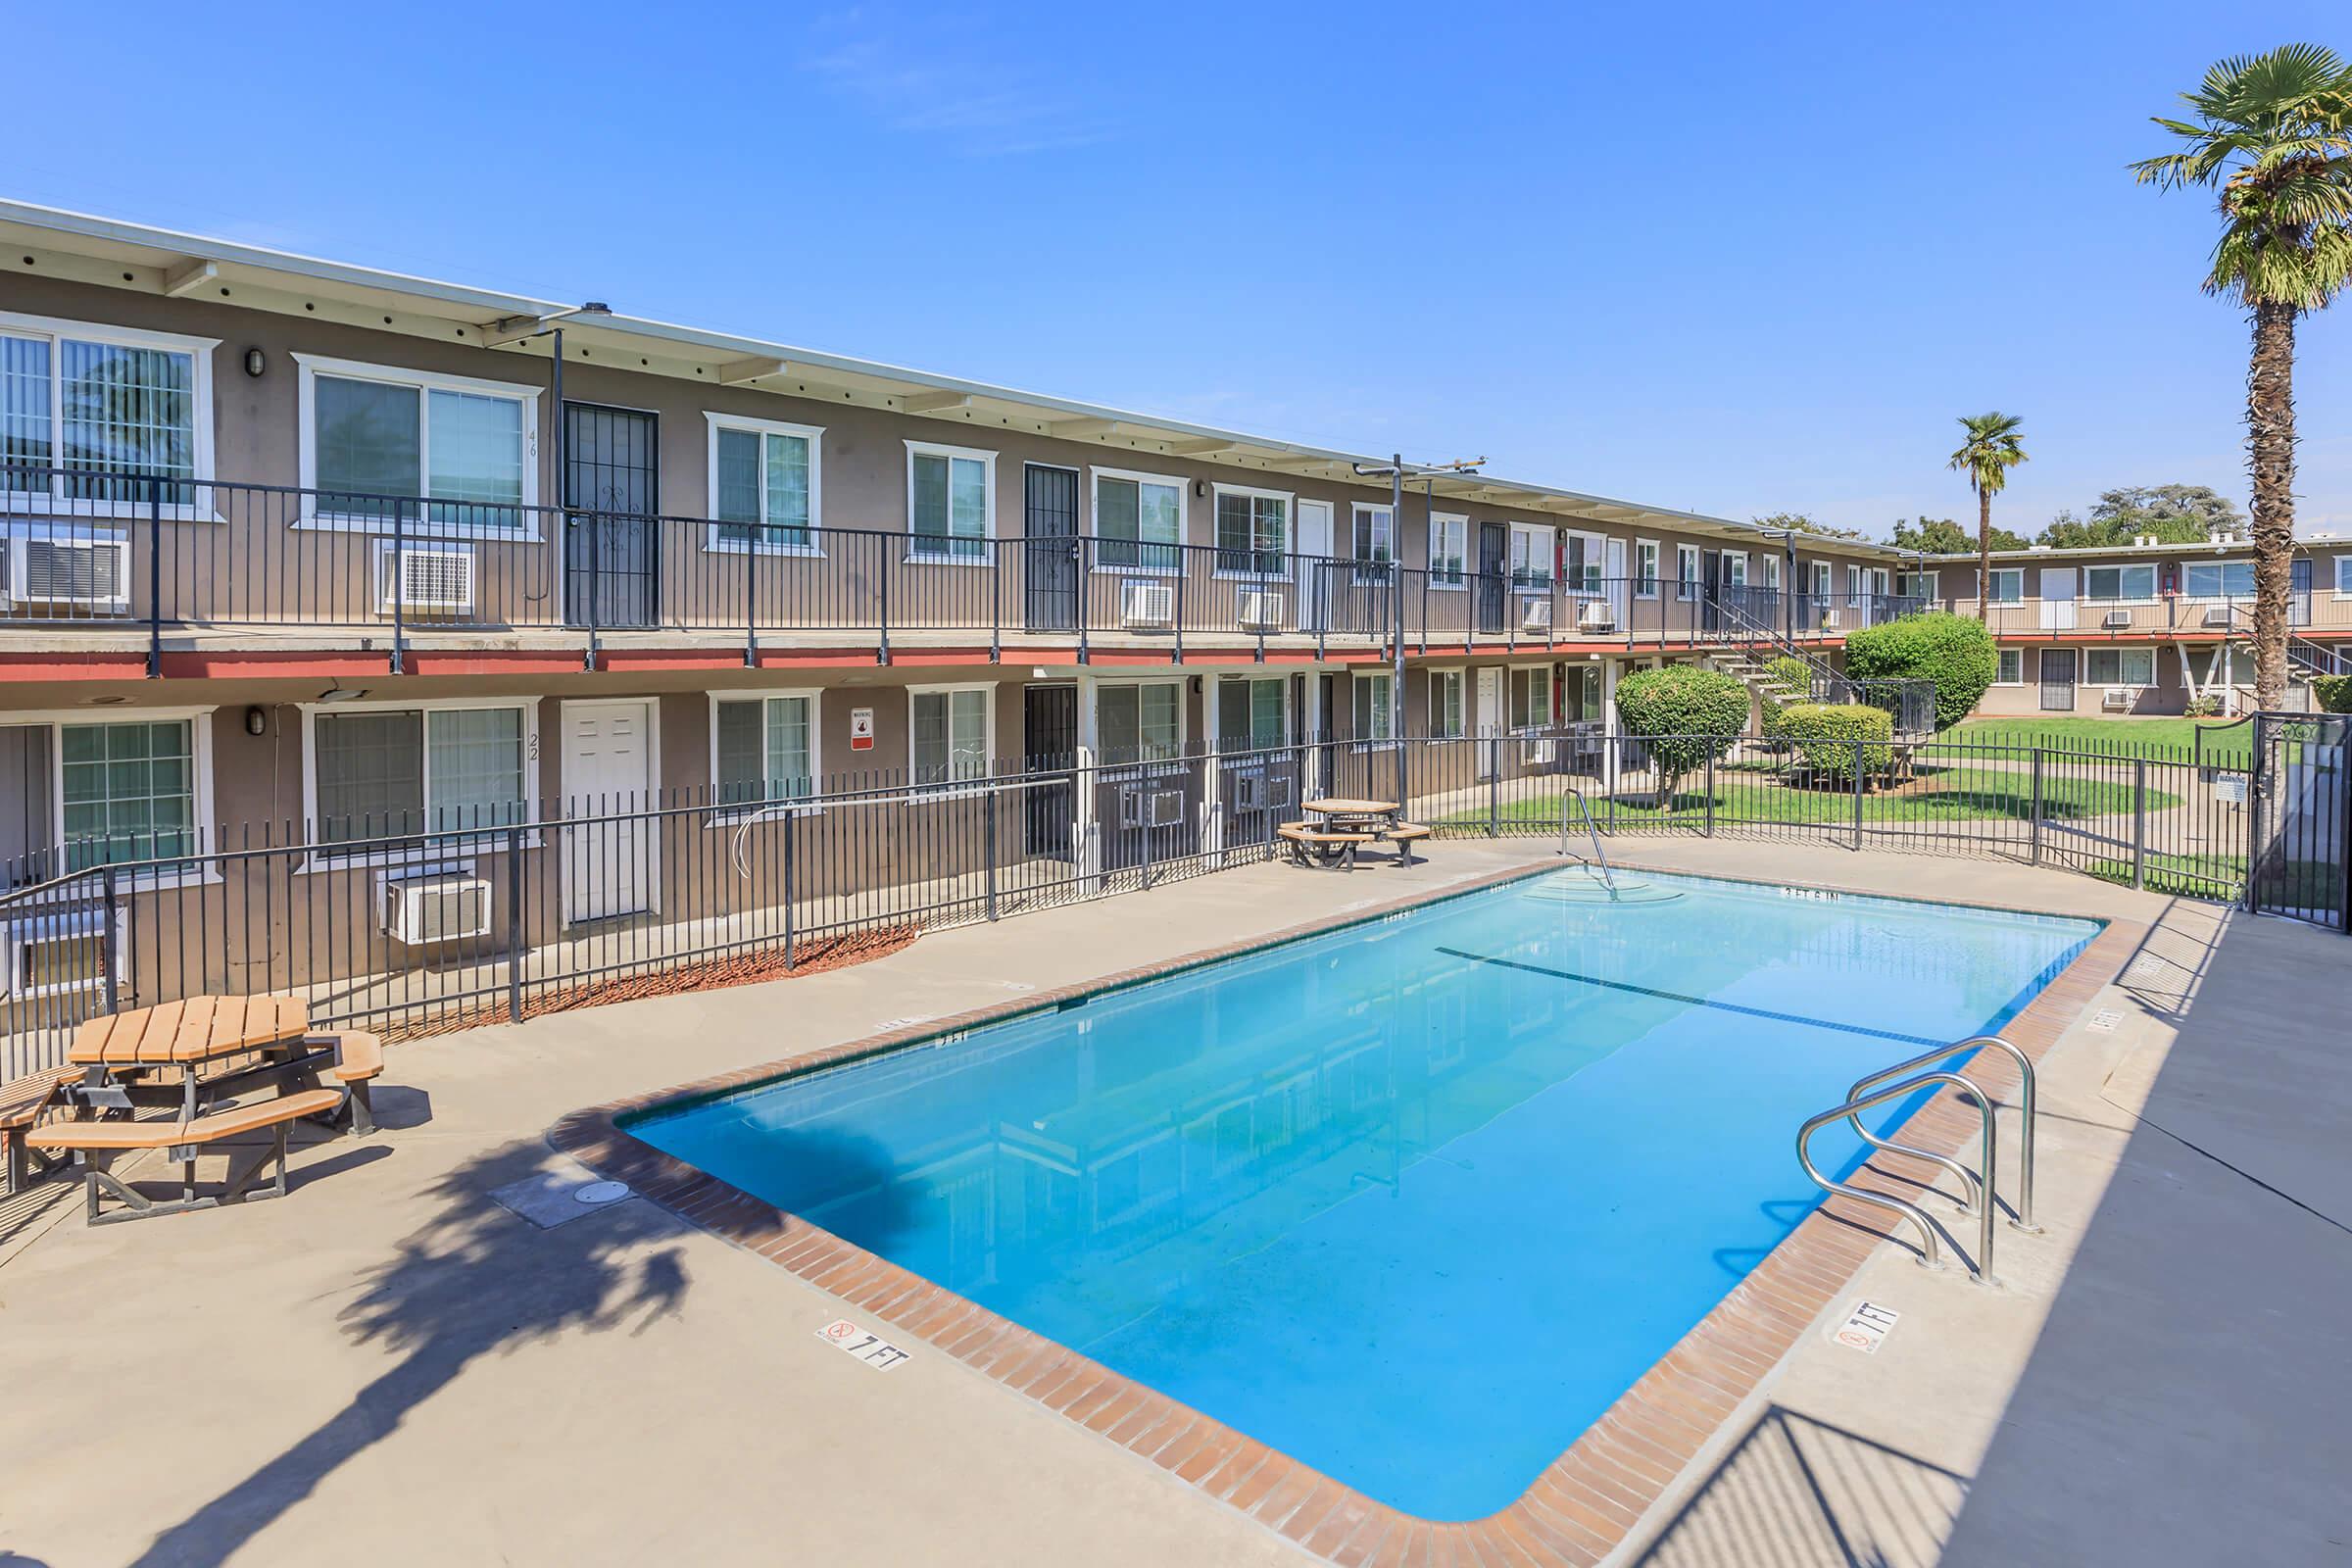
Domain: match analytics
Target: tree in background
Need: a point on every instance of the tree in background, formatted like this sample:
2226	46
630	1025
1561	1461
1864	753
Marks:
1991	450
2273	134
1799	523
1943	536
2145	509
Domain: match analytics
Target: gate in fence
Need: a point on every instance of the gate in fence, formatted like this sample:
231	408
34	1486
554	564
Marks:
2300	851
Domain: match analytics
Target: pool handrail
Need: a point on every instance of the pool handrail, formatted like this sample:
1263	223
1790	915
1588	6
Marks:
1930	1255
1987	1188
1608	876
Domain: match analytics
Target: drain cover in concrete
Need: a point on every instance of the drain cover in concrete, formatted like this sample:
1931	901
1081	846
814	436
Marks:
553	1198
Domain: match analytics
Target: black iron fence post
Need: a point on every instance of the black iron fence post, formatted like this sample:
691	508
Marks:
2139	822
514	943
2034	829
155	579
109	945
988	835
791	878
1493	787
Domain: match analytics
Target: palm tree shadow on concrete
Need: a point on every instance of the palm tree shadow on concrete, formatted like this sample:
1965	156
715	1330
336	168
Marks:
1800	1491
473	1280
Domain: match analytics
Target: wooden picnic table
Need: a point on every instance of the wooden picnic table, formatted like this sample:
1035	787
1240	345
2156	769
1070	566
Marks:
1342	813
118	1051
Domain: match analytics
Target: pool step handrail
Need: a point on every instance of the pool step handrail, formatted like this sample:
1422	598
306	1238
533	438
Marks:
2023	1220
1980	1268
1608	876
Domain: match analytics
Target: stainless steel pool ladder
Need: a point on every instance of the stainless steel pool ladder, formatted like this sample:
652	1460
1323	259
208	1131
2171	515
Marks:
1608	876
1985	1198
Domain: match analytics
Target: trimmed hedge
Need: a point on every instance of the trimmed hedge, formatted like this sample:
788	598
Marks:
1831	736
1684	715
2333	693
1955	652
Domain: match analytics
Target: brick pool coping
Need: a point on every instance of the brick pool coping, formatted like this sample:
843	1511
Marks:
1585	1502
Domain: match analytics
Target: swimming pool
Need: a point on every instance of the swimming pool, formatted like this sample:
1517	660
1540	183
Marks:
1414	1200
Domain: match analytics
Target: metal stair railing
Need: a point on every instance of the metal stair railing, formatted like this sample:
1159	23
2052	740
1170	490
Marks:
1914	707
1931	1244
2023	1220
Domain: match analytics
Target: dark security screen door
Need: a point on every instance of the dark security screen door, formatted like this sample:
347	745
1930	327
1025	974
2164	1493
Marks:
2298	592
610	544
2058	680
1494	550
1050	521
1049	744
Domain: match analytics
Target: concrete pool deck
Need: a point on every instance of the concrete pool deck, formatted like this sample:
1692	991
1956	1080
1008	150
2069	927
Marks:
390	1366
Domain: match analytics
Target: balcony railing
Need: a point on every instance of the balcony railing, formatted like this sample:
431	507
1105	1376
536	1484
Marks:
2317	614
137	553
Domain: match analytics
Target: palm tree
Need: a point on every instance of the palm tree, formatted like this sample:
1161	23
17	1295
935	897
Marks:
2273	135
1990	451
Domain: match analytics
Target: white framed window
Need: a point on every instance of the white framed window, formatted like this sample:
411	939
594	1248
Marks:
1582	556
1735	568
133	786
2119	666
1253	531
388	769
764	746
1771	567
2008	585
1533	559
1372	540
1531	698
1375	711
1686	571
1824	578
2012	669
1139	520
766	486
2220	579
1646	568
374	436
1915	584
951	501
951	731
2133	582
1253	713
1447	720
100	402
1140	721
1448	550
2343	577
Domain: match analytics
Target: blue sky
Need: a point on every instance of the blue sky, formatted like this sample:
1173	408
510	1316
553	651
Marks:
1738	259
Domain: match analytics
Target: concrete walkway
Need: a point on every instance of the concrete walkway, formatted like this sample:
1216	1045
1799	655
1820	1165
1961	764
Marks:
390	1366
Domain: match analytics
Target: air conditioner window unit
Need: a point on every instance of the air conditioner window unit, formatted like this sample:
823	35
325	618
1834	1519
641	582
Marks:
1146	604
2117	698
423	911
1261	792
93	573
1596	616
2217	614
1260	607
1142	806
60	952
1534	615
2119	617
433	577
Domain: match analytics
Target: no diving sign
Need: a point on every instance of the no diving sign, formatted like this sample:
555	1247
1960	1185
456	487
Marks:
1866	1328
861	730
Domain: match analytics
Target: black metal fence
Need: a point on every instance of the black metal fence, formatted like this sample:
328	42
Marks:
412	928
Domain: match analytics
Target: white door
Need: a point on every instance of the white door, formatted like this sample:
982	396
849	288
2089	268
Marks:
1615	569
610	861
1490	721
1314	546
2057	598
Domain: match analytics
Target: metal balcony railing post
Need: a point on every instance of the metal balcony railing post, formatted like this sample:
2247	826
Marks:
155	579
996	601
882	652
1184	575
399	586
596	583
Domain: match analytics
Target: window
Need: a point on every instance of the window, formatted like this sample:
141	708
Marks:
1686	571
951	501
1446	704
102	402
1530	560
2011	671
1771	565
373	434
1139	723
1735	568
1372	541
2343	576
1531	698
1448	550
2008	585
1374	712
2224	580
389	771
2119	666
2120	582
1251	713
1915	584
764	748
1253	531
1139	520
127	791
1824	579
951	728
763	484
1646	568
1581	560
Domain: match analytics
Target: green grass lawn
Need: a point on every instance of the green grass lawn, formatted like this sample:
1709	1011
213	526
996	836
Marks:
1749	797
2227	743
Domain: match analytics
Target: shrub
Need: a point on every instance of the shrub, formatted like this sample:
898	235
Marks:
2332	693
1684	715
2205	707
1790	674
1955	652
1831	736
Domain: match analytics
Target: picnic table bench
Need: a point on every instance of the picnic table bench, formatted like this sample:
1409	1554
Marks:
1344	827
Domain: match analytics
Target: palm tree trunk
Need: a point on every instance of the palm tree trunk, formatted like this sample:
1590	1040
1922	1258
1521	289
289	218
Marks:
1984	554
2271	461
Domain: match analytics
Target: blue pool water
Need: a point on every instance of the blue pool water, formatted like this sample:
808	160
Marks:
1412	1201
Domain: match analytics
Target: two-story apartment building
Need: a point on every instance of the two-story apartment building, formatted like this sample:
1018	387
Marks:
2144	629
